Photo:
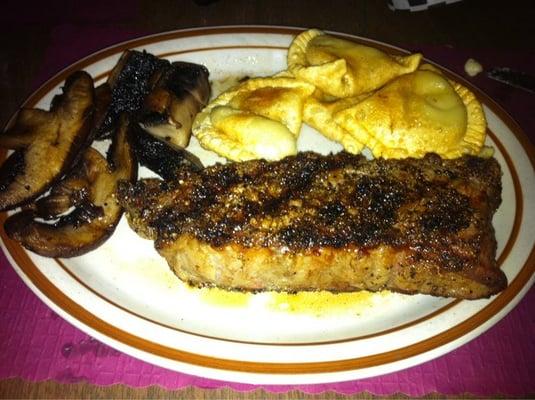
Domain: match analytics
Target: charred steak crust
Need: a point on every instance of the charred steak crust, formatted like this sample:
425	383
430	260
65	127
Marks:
436	213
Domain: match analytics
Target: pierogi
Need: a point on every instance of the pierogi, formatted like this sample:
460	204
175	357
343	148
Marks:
353	94
417	113
342	68
260	118
319	114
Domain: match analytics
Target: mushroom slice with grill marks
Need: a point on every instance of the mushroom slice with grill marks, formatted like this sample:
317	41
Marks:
46	142
180	91
161	156
103	98
91	189
129	82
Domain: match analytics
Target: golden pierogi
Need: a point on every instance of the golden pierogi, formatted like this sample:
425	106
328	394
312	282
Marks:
260	118
343	68
319	114
415	114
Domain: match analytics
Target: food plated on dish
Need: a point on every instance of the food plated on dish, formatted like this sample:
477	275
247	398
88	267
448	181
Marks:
416	219
121	292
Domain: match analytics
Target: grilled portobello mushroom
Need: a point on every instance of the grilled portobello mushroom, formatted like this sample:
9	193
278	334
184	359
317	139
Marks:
46	143
180	92
161	157
130	81
91	189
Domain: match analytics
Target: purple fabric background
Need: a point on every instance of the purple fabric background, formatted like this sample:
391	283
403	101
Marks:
36	344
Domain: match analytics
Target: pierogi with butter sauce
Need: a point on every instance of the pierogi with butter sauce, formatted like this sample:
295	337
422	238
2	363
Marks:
319	114
342	68
417	113
260	118
353	94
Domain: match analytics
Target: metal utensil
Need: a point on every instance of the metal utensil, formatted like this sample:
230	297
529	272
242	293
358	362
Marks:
513	78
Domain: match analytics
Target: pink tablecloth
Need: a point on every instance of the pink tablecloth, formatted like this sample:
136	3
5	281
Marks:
36	344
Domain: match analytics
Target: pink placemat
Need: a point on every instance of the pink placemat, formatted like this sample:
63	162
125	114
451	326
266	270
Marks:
36	344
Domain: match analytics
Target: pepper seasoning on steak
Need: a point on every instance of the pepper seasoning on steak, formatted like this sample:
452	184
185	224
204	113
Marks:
337	222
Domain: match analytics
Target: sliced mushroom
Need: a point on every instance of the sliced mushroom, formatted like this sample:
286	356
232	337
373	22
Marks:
103	98
159	156
46	142
179	93
130	81
91	189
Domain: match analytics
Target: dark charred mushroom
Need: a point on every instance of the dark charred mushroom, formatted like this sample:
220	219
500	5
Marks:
91	189
102	104
160	156
130	81
46	142
180	92
163	96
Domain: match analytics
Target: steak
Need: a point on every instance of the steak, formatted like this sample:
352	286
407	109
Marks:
337	222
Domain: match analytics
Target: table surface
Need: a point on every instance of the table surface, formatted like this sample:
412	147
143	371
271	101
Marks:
27	30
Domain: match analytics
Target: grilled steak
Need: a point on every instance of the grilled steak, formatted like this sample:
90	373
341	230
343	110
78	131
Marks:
336	222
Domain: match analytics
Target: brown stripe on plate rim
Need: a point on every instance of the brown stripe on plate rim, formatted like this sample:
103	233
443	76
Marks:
66	304
505	252
150	39
519	200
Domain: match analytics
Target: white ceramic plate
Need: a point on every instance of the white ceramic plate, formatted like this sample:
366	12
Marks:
124	294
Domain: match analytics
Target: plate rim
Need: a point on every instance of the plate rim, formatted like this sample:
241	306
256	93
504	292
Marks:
36	276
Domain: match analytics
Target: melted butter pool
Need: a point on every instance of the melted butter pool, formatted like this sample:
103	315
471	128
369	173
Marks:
310	303
225	298
324	303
